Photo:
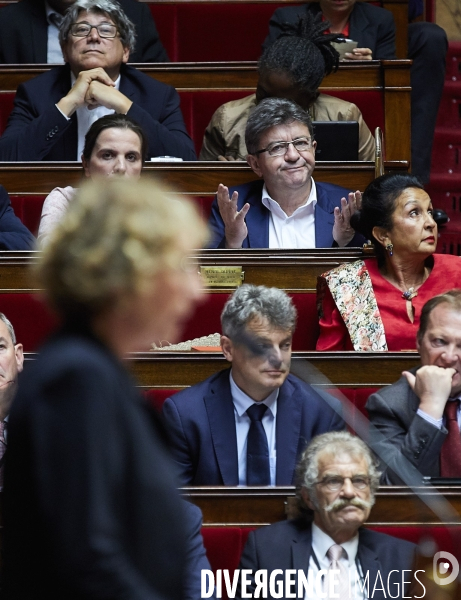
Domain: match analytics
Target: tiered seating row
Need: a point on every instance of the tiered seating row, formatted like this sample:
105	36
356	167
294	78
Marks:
380	89
189	29
293	271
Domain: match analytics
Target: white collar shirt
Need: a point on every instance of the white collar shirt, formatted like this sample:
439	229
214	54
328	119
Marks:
321	543
439	423
295	231
53	49
86	117
242	426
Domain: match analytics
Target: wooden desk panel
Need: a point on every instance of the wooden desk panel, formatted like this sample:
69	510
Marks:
182	369
262	506
341	369
190	178
295	270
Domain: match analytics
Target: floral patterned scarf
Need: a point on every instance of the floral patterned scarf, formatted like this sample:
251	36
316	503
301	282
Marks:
352	290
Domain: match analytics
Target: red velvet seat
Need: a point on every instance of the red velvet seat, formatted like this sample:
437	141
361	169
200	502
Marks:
206	319
28	209
201	32
32	321
198	108
6	106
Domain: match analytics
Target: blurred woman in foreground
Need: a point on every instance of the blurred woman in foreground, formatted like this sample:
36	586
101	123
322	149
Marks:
115	146
375	304
89	504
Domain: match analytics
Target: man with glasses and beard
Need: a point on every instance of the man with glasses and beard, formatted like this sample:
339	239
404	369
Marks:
337	480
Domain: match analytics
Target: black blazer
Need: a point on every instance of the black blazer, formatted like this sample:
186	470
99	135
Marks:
90	509
372	27
288	545
37	130
24	33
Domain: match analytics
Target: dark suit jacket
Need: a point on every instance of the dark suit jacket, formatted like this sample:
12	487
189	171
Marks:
257	220
37	130
24	33
90	506
201	424
400	431
13	234
288	545
372	27
196	558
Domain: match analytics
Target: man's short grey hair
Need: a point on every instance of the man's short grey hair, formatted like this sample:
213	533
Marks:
9	326
125	27
332	443
269	113
253	301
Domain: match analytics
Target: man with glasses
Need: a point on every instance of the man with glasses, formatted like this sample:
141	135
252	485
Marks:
53	111
29	32
286	208
336	479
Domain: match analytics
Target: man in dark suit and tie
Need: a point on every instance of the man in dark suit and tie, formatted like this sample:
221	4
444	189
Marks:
337	479
285	208
53	111
248	425
418	416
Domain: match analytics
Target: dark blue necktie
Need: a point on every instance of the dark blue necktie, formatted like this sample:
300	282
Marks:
258	472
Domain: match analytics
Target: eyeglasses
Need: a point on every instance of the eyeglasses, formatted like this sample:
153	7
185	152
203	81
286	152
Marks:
105	30
279	148
335	483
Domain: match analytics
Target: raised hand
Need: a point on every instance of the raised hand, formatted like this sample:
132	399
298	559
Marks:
342	230
235	228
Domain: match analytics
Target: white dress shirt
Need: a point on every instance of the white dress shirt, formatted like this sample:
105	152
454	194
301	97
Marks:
86	117
321	542
54	52
295	231
242	426
439	423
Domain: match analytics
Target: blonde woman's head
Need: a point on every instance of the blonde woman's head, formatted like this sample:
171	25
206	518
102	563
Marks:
121	241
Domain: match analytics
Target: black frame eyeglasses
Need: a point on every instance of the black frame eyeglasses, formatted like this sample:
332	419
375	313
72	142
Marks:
279	148
83	29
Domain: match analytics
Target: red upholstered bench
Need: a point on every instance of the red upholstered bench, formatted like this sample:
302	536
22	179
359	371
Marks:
206	319
6	106
198	108
31	319
28	209
35	322
194	32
